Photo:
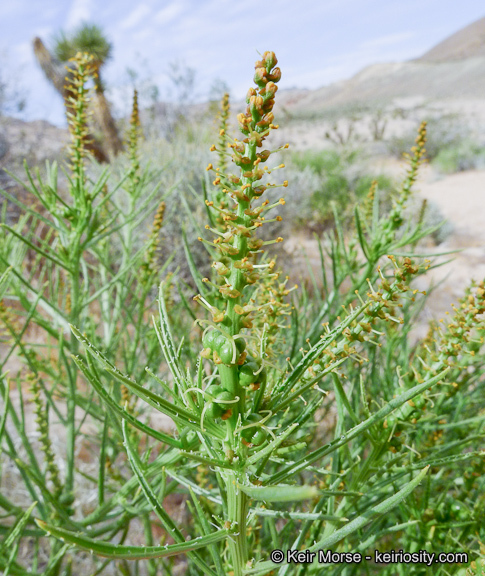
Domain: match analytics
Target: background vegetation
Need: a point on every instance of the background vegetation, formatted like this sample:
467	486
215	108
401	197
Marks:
356	437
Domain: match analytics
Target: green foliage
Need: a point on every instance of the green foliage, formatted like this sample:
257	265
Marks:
88	38
298	421
466	155
322	162
446	131
451	147
64	256
340	180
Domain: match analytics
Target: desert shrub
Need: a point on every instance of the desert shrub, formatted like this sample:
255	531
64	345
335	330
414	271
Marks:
465	155
444	132
321	162
340	179
429	214
175	166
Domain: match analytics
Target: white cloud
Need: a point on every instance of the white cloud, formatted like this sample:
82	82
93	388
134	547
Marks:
170	12
80	11
135	17
387	40
320	77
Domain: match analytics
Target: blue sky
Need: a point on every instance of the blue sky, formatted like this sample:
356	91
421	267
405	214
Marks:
316	41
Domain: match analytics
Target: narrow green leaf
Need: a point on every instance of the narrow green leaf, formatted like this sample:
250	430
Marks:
4	278
17	529
322	262
178	414
185	302
52	567
206	529
28	210
102	463
165	338
382	508
327	542
194	270
54	312
128	219
113	405
205	460
442	462
165	519
268	450
205	184
119	552
211	495
341	241
116	277
352	433
5	404
165	386
280	493
311	516
282	400
342	397
37	249
360	233
39	481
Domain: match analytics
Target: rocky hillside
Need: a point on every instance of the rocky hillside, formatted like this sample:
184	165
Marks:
35	142
452	71
469	42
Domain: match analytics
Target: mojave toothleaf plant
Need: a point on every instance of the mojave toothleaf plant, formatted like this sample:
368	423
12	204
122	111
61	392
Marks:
259	455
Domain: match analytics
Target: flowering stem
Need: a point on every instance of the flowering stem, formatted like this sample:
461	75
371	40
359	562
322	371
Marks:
238	245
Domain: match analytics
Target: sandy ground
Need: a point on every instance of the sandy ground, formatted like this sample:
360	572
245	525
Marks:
460	198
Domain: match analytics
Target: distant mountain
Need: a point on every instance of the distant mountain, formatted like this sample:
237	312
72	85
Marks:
469	42
453	69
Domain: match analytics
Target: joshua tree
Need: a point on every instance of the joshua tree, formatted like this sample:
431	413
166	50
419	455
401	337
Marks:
88	38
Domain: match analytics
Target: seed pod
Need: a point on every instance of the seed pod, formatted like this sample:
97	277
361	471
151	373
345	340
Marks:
214	410
213	390
218	407
419	402
246	374
209	337
459	511
255	435
395	444
67	498
226	353
218	342
240	345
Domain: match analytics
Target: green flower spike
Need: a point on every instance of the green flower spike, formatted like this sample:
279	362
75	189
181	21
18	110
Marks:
238	245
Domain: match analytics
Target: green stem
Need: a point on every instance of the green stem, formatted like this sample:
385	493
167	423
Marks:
230	382
71	394
237	510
